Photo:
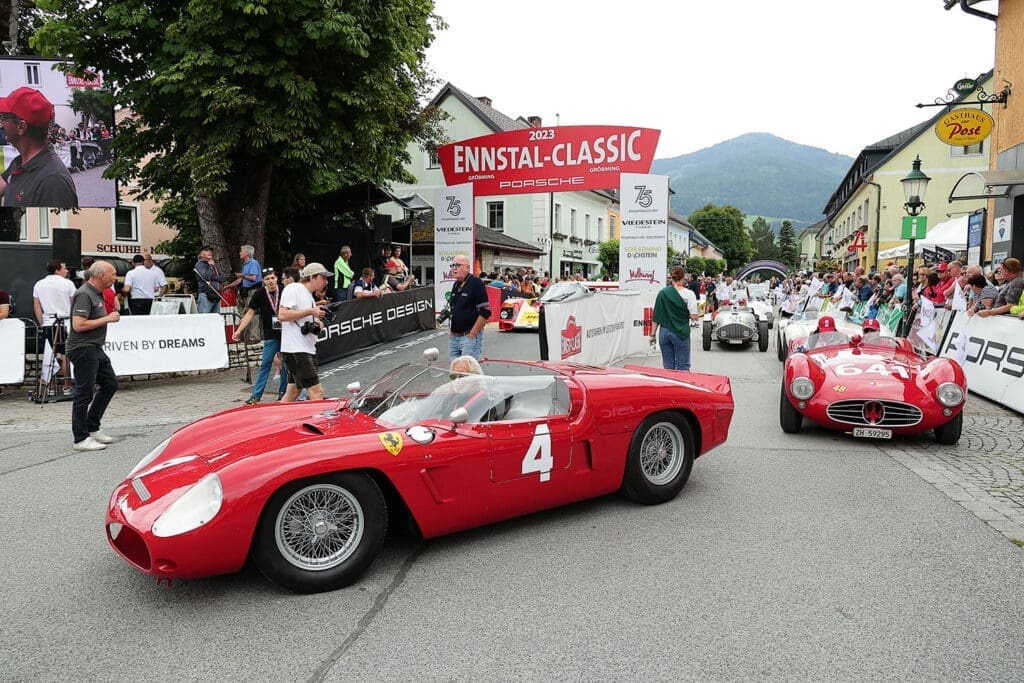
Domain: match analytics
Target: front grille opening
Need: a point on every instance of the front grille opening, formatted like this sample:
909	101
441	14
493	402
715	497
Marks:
862	412
130	544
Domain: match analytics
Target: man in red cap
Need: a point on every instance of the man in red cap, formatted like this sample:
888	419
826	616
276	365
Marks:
37	176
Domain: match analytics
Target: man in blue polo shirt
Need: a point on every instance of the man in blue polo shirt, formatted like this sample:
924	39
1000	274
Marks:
470	310
250	276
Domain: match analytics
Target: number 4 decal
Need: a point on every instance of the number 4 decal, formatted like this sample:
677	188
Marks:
538	455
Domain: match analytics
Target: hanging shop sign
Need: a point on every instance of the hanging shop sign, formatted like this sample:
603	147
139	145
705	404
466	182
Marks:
555	159
963	127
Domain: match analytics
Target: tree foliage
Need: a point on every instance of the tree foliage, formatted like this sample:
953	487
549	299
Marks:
95	104
724	226
763	241
248	109
789	248
608	255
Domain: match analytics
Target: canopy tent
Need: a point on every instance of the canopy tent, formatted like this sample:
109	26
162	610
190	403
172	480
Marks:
950	235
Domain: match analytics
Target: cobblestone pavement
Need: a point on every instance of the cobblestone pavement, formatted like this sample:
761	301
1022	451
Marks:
984	473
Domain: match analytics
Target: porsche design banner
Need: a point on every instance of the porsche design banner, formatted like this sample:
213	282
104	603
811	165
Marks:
359	323
453	235
12	350
144	344
600	329
643	238
992	357
552	159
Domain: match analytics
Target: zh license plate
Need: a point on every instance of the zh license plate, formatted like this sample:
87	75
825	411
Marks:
735	341
872	433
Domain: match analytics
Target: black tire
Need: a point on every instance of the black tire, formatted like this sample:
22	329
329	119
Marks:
781	344
949	433
706	331
762	336
789	419
660	459
284	560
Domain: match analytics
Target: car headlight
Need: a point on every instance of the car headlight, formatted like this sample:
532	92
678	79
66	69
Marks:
949	394
153	455
802	388
194	509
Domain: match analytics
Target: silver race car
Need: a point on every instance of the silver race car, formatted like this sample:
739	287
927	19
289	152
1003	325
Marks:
735	322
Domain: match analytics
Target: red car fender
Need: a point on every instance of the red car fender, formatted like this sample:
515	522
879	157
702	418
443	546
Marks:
938	372
802	365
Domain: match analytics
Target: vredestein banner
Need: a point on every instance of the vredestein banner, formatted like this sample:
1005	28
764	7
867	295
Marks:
453	235
359	323
643	237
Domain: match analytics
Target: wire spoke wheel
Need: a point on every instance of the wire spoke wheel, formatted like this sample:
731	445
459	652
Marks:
662	453
319	527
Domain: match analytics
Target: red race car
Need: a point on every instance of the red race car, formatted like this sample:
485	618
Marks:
307	489
872	389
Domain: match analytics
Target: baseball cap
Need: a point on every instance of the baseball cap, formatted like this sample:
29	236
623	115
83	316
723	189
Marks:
872	324
30	105
826	324
314	269
942	266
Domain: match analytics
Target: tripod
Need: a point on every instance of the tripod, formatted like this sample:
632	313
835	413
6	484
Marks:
50	390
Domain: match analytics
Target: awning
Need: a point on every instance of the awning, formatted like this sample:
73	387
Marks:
985	185
414	202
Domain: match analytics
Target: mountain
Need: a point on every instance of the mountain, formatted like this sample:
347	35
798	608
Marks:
758	173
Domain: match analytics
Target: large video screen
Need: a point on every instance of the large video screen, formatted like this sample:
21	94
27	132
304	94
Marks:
55	163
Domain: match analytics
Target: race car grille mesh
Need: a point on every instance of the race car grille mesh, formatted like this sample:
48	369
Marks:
874	413
735	331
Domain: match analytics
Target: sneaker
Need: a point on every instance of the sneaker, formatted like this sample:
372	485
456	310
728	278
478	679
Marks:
101	437
88	444
69	391
252	402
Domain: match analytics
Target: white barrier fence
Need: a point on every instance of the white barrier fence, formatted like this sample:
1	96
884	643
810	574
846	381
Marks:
601	329
12	351
994	358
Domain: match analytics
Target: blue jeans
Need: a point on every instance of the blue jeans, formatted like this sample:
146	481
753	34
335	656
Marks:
92	367
465	346
207	306
675	350
270	349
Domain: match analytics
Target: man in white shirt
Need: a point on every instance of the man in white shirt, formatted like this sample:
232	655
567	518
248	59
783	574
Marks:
51	301
158	273
141	285
298	339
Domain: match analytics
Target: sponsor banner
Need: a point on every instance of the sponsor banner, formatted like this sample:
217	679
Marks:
553	159
145	344
601	329
992	354
963	127
12	350
643	233
359	323
453	235
975	226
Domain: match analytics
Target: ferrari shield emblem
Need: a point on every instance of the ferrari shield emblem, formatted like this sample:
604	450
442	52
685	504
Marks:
392	442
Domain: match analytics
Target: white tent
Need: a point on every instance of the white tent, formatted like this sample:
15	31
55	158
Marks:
950	235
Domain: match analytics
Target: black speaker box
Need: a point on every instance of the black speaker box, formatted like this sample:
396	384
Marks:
382	228
67	246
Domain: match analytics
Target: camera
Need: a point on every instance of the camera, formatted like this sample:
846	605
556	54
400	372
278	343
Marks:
309	327
445	313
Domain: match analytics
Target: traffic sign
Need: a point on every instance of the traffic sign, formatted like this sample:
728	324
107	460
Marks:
914	227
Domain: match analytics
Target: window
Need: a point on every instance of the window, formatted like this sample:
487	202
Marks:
496	216
600	230
23	235
32	74
44	224
432	160
572	222
968	151
611	227
557	220
126	224
586	226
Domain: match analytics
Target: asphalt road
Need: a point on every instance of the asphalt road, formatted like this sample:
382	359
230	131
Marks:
785	557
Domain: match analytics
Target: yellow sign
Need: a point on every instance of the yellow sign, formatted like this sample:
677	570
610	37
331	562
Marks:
392	442
963	127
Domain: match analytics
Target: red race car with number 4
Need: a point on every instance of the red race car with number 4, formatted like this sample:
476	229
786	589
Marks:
873	389
306	490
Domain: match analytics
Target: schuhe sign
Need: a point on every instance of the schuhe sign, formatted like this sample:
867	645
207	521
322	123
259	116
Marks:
560	158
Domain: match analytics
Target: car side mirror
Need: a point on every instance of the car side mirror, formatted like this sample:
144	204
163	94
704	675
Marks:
430	355
354	388
459	416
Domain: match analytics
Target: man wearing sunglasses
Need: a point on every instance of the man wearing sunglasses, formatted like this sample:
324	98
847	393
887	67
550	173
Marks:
37	176
470	310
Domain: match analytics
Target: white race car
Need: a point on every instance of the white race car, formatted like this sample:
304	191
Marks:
793	331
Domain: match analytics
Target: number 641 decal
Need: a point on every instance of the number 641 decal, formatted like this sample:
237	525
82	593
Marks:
538	455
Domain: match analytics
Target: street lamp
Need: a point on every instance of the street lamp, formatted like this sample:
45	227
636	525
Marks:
914	187
829	246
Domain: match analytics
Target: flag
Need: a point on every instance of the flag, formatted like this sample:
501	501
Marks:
959	300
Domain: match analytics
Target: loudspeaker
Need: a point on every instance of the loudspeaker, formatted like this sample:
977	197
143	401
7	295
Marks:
67	246
382	228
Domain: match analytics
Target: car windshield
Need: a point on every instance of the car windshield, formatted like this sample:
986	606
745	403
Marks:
413	393
818	340
560	291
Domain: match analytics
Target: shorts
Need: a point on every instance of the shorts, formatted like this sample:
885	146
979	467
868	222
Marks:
301	369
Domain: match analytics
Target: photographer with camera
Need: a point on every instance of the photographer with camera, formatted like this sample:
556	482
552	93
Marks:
300	318
265	303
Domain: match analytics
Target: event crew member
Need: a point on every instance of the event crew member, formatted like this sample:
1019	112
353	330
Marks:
37	176
298	340
210	281
140	284
343	274
89	320
470	310
265	303
674	308
51	299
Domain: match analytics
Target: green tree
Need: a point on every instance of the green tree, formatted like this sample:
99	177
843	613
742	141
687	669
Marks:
695	265
789	249
763	240
608	255
248	109
724	226
95	104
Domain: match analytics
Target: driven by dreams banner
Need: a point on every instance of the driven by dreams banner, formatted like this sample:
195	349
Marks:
144	344
364	322
643	238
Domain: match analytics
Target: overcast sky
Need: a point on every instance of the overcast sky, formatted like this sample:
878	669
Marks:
835	74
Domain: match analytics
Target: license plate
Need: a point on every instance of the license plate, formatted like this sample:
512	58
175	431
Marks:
872	433
735	341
